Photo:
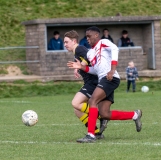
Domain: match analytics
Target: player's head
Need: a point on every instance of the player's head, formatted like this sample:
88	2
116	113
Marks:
56	34
70	40
93	35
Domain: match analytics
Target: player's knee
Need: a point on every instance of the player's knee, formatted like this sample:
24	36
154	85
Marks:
105	115
75	105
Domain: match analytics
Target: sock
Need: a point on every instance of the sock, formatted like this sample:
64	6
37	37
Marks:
85	108
135	116
121	115
93	114
84	120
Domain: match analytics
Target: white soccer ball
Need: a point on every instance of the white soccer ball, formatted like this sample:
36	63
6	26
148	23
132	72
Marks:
145	89
29	118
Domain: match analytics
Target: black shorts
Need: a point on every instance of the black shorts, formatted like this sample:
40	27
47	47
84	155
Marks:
88	89
109	87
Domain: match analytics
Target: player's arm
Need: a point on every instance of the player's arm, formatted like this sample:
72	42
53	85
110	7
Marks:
114	61
78	65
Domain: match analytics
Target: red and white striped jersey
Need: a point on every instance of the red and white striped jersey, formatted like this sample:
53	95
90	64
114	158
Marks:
102	56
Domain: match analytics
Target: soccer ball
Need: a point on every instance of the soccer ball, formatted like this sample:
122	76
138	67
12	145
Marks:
145	89
29	118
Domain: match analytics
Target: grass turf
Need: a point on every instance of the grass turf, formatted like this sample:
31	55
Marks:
55	134
12	13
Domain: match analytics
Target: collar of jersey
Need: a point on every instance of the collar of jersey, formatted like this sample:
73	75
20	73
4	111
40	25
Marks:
95	44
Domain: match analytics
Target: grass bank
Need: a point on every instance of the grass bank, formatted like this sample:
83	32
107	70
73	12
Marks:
26	89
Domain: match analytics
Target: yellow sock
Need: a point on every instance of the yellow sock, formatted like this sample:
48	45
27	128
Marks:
84	120
85	108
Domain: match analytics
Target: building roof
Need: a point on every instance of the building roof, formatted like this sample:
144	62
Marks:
94	20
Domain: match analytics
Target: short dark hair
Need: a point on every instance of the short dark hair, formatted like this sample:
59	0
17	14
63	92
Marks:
105	29
93	28
124	32
72	35
55	33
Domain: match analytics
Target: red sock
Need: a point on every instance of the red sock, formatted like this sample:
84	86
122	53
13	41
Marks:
93	114
121	115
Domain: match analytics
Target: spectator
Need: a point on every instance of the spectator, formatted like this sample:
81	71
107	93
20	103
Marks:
56	43
106	35
84	42
131	75
125	41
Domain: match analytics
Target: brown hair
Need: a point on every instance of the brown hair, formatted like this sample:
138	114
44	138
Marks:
72	35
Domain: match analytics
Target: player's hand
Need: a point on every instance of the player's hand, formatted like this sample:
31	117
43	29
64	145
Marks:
75	65
137	79
76	74
110	75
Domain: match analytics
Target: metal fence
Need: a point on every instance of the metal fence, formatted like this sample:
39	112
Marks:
17	61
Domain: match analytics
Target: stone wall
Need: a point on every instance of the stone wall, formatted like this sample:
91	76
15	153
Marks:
157	44
32	39
135	55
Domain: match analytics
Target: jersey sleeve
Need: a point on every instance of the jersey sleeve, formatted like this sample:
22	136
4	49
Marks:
114	51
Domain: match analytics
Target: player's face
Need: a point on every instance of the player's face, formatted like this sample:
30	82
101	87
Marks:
69	43
92	37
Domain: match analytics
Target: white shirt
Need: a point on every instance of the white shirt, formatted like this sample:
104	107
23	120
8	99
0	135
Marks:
102	56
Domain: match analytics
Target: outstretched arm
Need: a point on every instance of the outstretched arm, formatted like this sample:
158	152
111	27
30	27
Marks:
78	65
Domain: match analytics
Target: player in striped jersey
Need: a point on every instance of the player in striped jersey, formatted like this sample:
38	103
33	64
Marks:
80	100
104	58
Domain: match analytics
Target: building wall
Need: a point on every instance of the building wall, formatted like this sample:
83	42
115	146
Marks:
54	63
135	55
32	39
157	44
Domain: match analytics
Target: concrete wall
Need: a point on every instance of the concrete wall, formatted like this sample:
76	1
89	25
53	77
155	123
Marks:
157	44
135	55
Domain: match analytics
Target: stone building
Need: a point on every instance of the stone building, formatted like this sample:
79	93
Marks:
143	30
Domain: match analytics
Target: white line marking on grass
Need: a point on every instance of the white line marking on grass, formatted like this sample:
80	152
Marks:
15	102
74	124
108	143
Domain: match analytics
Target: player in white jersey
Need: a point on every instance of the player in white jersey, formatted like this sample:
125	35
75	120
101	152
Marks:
104	58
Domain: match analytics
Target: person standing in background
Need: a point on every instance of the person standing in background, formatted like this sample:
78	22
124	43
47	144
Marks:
131	76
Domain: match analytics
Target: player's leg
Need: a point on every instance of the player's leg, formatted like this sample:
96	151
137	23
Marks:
116	114
97	96
103	122
106	90
79	103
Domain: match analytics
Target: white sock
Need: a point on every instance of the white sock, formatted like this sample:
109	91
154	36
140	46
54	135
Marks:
135	116
93	136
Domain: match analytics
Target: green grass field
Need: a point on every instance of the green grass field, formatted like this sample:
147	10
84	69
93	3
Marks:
54	137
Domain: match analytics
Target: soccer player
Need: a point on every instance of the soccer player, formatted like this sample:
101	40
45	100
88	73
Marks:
80	100
104	58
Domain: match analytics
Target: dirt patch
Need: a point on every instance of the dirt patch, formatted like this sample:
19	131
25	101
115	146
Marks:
13	71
